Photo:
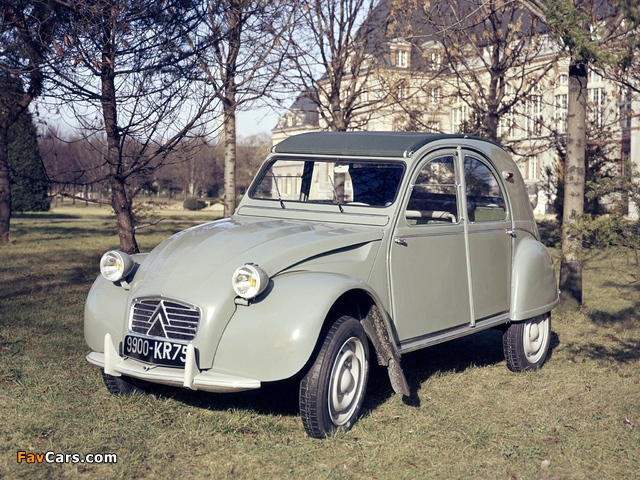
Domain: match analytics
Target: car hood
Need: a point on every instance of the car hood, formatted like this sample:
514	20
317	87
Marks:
210	253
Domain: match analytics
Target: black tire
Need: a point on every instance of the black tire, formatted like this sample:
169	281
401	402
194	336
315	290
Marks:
526	344
331	393
121	385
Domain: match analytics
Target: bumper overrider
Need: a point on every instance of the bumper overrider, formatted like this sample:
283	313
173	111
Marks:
189	377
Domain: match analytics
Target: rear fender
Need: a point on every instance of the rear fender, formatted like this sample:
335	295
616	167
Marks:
534	290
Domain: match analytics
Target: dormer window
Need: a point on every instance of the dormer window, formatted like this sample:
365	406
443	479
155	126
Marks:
402	58
400	54
435	60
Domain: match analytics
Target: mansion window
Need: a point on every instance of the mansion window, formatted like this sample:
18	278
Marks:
596	106
562	81
434	96
532	172
534	115
626	114
402	90
594	77
458	118
507	125
560	112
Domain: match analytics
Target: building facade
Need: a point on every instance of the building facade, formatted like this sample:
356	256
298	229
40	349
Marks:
418	91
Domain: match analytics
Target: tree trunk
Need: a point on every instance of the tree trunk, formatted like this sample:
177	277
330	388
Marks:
10	115
5	187
124	216
574	185
338	122
229	107
497	75
119	199
491	124
229	159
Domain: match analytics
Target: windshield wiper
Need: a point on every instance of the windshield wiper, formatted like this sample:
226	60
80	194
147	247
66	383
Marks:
275	180
335	194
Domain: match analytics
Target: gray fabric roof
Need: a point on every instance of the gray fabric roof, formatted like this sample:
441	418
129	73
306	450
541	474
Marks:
374	144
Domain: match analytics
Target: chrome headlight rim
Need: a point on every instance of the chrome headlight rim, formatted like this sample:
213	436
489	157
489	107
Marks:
249	281
116	265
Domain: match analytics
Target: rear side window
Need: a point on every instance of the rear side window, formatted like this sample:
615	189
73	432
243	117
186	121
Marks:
485	200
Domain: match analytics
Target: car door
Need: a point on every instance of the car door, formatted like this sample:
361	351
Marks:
427	267
490	237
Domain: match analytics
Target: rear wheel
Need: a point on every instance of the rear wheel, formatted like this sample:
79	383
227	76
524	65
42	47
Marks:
122	385
332	392
526	344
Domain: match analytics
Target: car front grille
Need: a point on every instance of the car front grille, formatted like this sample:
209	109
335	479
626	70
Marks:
163	318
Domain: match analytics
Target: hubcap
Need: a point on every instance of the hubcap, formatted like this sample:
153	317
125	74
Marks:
535	338
347	380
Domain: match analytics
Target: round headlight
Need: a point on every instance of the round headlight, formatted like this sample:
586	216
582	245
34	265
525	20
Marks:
249	281
115	265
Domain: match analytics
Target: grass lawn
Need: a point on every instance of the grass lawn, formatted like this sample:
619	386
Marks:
468	416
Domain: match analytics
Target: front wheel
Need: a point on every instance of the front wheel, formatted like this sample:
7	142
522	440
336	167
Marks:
331	393
526	344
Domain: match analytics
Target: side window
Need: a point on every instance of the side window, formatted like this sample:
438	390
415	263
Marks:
433	199
485	201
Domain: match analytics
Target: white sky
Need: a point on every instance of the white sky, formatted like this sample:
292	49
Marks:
251	122
256	121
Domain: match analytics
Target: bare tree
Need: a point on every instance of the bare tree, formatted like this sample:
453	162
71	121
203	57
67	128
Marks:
338	44
195	173
252	151
26	30
593	33
124	69
74	163
491	50
245	66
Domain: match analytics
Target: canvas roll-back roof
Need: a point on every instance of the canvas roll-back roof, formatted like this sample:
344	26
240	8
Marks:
370	144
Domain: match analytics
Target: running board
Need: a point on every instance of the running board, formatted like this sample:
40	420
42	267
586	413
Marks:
440	337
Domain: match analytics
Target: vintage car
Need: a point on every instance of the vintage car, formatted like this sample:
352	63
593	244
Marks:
347	247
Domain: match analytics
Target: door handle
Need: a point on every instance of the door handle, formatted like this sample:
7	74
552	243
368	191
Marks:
511	232
400	241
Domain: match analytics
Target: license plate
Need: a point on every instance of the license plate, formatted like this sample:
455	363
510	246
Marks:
157	352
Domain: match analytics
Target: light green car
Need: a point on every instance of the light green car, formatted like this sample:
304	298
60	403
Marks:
347	247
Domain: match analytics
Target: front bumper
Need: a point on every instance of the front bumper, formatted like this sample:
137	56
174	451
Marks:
190	377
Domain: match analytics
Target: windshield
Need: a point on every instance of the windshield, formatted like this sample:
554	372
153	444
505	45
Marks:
364	183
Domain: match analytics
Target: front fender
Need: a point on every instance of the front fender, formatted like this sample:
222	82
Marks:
274	338
105	310
534	290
